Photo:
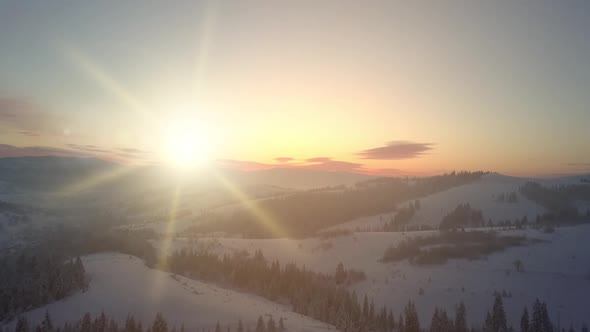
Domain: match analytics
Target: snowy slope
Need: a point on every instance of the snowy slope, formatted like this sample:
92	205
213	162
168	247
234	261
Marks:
122	285
479	194
557	271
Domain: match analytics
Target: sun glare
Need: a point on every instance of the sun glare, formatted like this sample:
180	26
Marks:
186	147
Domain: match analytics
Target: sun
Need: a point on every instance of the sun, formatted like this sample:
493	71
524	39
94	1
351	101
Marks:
186	146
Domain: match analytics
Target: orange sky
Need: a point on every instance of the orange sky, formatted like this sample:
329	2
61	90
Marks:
421	88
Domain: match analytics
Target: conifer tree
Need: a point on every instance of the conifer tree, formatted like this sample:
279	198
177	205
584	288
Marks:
499	316
460	318
260	325
47	324
271	325
22	324
524	321
159	324
412	324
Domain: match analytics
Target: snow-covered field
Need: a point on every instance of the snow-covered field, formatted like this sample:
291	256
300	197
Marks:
556	271
122	285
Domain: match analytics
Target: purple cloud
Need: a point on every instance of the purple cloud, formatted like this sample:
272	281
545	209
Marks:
396	150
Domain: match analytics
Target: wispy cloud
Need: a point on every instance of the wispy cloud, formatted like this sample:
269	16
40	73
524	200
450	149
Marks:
28	118
88	148
29	133
396	150
245	165
318	160
120	155
316	163
578	164
283	159
7	150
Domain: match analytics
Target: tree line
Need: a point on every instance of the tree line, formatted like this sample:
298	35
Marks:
28	281
495	321
302	214
558	200
104	323
462	216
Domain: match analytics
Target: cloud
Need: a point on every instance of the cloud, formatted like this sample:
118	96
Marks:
37	151
28	118
396	150
133	156
29	133
133	150
283	159
318	160
579	164
245	165
318	163
88	148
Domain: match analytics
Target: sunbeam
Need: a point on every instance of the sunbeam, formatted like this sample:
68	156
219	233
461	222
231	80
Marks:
89	67
96	180
261	216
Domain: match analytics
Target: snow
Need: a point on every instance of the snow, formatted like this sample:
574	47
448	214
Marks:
556	271
122	285
480	195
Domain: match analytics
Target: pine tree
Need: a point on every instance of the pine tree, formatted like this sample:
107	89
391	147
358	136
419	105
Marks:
271	325
584	327
100	324
524	321
412	324
22	325
240	326
537	319
130	325
546	325
282	325
159	324
499	315
390	321
217	327
365	309
435	324
488	323
446	324
260	325
460	318
47	324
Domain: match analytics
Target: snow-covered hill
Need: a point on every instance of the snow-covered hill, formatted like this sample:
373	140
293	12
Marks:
556	271
122	285
481	195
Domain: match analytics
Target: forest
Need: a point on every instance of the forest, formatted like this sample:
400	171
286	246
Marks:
438	249
28	281
558	200
495	321
303	214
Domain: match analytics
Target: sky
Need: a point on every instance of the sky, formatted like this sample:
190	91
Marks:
377	87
